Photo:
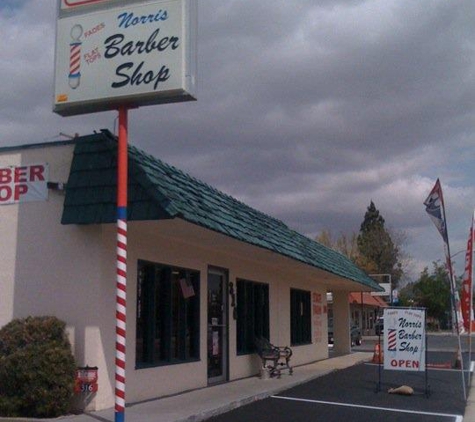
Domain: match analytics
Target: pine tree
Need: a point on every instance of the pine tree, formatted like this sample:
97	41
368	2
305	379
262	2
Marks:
377	251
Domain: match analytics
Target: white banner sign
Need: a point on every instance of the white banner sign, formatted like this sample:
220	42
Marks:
23	184
404	339
129	55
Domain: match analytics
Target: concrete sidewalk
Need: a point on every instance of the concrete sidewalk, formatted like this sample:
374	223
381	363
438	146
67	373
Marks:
198	405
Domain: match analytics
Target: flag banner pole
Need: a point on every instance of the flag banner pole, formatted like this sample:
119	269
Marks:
455	302
471	319
436	209
121	282
467	293
426	356
467	283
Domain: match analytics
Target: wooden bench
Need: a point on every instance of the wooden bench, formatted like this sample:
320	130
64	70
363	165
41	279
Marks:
274	358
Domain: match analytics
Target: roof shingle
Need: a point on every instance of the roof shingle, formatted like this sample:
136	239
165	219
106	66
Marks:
160	191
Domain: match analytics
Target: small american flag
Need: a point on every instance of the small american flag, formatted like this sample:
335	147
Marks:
186	288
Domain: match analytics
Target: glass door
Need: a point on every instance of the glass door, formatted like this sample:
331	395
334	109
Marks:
217	326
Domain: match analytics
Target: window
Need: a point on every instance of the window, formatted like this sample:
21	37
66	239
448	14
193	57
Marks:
167	315
252	314
300	322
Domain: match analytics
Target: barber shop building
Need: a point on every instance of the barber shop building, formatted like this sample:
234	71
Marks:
206	274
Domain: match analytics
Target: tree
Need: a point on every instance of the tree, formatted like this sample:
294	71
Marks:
406	295
345	244
377	251
431	291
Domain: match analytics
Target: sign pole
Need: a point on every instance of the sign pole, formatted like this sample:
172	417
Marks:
122	158
380	363
426	355
470	311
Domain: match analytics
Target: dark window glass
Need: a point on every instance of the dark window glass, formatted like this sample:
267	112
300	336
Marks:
167	314
252	314
300	322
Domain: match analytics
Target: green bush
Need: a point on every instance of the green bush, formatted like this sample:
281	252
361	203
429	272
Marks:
37	368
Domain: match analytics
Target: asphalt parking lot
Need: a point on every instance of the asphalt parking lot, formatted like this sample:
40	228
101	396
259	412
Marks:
350	395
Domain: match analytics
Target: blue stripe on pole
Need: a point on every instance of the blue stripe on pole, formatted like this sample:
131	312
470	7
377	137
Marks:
119	416
122	213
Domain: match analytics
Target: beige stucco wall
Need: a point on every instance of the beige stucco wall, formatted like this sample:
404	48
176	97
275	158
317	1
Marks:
69	271
50	269
341	322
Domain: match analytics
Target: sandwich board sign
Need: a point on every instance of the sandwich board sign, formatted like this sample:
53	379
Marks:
112	53
404	339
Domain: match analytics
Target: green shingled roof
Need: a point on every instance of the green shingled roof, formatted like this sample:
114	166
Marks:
160	191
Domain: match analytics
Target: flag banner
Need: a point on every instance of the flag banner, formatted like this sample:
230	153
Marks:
435	208
467	286
458	309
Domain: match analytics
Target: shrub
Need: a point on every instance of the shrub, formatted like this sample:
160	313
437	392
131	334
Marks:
36	368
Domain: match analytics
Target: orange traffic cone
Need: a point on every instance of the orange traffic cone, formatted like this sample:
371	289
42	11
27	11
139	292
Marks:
377	355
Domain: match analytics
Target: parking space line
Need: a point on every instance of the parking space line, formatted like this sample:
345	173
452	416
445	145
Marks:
457	418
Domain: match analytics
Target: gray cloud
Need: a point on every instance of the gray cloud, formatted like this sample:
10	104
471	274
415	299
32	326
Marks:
306	110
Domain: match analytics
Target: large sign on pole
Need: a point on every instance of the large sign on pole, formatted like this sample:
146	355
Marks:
112	53
404	339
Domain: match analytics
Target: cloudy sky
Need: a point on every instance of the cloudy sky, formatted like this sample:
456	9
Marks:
307	109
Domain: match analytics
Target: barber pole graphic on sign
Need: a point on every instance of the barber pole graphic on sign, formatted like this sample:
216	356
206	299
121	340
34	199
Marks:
75	57
392	340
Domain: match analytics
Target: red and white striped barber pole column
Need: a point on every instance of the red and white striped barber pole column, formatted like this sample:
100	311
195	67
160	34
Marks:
121	286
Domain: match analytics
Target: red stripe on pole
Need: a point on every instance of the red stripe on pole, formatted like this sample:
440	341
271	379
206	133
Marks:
122	158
